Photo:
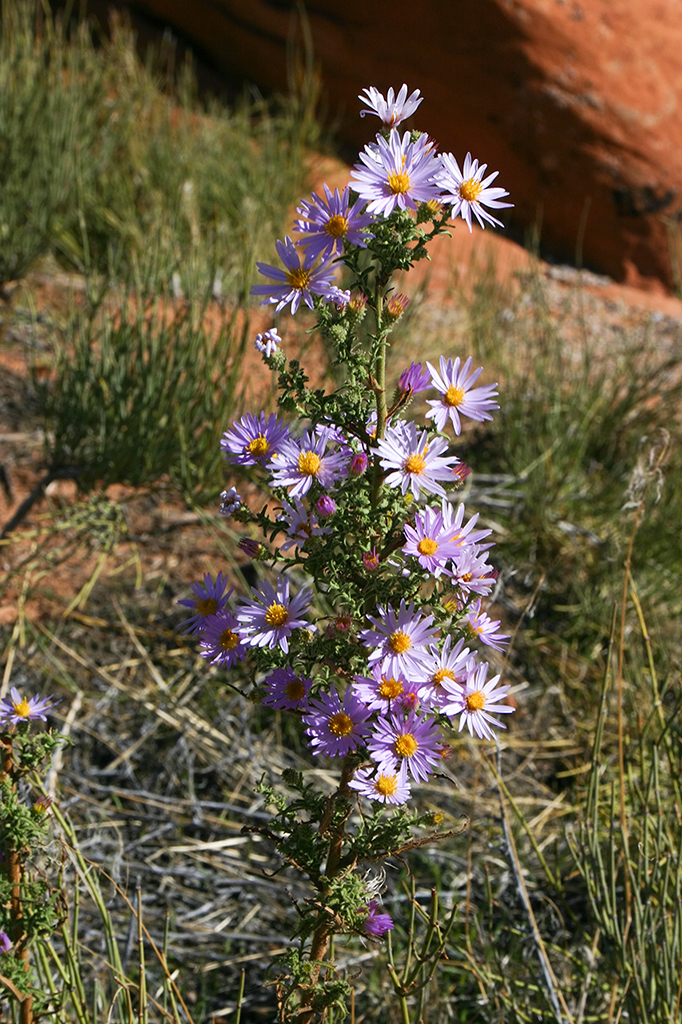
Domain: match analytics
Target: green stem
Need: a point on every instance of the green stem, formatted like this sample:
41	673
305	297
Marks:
322	933
380	392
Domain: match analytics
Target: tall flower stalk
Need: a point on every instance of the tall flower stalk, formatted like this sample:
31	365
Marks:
372	581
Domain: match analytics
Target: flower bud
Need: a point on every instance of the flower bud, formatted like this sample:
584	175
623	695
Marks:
396	306
370	560
326	506
250	547
357	465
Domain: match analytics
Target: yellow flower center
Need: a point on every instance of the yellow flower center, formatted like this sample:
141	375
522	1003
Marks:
340	724
309	463
276	615
466	578
415	463
258	447
442	673
475	701
427	546
454	396
206	605
295	690
400	641
23	708
386	785
228	640
470	190
399	183
298	278
406	746
337	226
390	688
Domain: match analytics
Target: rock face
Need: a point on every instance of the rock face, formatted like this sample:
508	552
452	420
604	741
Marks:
577	103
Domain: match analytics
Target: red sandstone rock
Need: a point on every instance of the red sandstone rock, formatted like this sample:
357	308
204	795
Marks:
578	103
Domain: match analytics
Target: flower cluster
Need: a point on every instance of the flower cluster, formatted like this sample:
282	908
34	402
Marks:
394	173
370	626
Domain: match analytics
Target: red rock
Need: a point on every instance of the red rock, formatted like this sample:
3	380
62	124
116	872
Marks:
578	104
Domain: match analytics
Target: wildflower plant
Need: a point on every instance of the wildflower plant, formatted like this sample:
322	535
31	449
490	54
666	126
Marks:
368	622
30	908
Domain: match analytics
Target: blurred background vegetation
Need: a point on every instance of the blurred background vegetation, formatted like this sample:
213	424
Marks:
152	205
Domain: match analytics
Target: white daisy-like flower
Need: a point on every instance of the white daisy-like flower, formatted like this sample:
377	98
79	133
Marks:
473	701
468	191
415	462
458	396
393	109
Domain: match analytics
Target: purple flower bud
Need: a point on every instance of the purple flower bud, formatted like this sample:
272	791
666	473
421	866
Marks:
414	380
357	465
250	547
357	303
325	506
5	943
377	925
461	472
396	306
267	343
230	502
370	560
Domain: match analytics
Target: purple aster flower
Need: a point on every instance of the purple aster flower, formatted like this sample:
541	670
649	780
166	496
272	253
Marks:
254	439
16	709
397	174
286	690
393	109
475	699
468	191
335	728
209	598
326	225
462	536
415	461
301	461
302	524
270	617
429	541
414	380
471	572
230	502
326	506
384	787
413	741
221	643
481	627
400	642
339	297
298	282
267	343
377	924
444	667
382	692
5	943
458	396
